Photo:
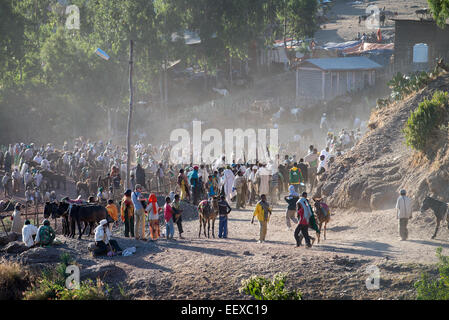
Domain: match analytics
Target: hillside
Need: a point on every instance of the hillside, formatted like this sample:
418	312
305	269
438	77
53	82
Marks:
372	173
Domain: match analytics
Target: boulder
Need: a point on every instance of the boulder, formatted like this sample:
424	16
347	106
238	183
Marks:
15	247
104	272
438	183
12	236
383	200
41	255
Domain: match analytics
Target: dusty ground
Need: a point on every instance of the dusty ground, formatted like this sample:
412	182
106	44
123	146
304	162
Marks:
213	268
202	268
343	22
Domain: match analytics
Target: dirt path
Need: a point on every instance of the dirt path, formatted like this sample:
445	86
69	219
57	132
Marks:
199	268
343	18
334	269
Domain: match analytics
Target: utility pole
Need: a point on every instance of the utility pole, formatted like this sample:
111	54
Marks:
128	136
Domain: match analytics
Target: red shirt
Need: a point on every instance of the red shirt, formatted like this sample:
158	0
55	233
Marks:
301	220
168	212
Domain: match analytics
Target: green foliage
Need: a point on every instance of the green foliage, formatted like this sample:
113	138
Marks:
123	294
54	86
301	15
263	289
429	116
88	291
403	85
440	11
51	285
435	289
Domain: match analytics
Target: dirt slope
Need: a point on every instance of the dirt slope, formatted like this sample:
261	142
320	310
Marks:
203	268
371	174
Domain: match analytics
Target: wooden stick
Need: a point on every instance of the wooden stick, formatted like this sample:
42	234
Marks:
4	227
36	213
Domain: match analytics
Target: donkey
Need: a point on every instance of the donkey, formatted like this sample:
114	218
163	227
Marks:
89	214
440	210
206	214
58	210
322	216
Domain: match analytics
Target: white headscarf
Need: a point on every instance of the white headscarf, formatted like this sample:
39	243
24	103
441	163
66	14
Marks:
292	192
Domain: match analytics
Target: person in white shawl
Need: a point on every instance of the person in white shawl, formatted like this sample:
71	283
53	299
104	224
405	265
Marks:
220	162
304	203
103	241
264	174
24	169
17	223
228	181
28	231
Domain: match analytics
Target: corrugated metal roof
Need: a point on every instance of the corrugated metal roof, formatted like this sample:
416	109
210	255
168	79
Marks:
346	63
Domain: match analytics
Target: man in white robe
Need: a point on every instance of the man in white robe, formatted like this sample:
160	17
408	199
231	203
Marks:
28	231
228	176
264	174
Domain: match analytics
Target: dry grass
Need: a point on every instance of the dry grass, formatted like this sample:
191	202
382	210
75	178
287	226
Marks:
418	159
14	280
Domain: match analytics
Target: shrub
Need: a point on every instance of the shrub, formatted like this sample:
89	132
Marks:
403	85
88	291
46	288
13	280
263	289
429	289
51	286
429	115
123	294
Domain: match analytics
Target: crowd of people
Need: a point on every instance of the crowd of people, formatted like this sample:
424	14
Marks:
235	181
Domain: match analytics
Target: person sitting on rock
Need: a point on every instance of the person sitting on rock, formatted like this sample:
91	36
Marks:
45	234
29	232
103	242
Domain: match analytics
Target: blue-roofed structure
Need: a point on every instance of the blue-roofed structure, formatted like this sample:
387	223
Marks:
327	78
346	63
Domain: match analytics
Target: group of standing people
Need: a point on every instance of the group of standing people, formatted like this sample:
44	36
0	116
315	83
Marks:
135	210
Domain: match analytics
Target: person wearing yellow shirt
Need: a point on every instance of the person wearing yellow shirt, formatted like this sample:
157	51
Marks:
112	212
263	213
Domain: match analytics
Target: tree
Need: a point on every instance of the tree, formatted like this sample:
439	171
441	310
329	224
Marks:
440	11
299	19
56	87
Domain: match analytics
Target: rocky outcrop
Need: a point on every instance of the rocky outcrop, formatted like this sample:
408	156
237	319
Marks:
41	255
5	239
15	247
371	175
103	271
